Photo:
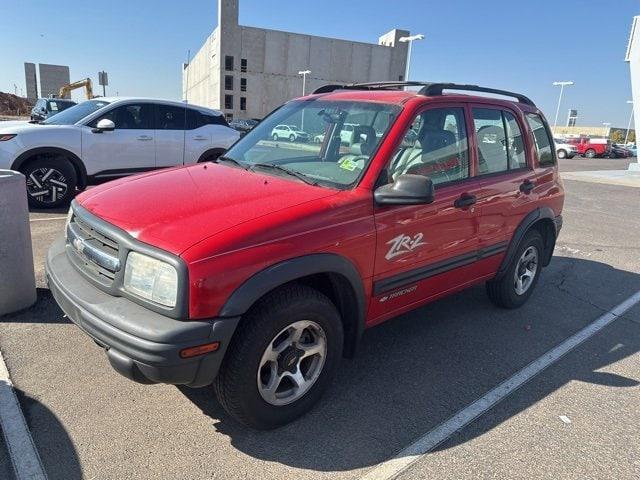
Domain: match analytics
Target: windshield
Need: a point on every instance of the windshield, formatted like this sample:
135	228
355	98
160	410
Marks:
327	156
76	113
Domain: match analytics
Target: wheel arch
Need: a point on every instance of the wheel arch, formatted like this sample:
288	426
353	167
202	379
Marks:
542	219
331	274
77	163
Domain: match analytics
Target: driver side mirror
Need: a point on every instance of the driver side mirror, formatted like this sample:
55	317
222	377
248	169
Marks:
104	125
406	190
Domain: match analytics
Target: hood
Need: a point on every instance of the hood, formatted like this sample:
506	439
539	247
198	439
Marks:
15	126
176	208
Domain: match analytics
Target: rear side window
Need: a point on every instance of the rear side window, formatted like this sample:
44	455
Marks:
170	117
542	140
500	141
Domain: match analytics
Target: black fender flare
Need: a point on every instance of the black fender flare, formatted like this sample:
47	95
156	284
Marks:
261	283
73	158
527	222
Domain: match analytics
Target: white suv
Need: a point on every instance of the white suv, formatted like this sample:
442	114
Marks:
290	132
106	138
564	149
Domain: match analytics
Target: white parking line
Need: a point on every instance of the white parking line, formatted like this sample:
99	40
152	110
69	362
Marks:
411	454
46	219
22	451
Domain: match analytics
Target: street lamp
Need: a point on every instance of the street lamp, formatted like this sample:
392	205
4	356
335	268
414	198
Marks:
561	85
304	74
410	39
626	137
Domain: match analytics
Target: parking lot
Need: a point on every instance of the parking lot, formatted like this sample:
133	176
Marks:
578	418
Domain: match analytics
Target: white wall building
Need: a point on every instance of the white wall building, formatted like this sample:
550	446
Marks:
633	57
247	72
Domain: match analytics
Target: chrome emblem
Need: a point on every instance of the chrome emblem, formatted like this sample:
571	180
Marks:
78	245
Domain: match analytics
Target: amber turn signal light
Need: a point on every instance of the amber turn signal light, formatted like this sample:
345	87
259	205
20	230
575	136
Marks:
199	350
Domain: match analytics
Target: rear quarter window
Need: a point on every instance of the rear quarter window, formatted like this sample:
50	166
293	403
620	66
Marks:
542	140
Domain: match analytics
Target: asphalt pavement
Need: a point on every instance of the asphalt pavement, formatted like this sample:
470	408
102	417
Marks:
410	375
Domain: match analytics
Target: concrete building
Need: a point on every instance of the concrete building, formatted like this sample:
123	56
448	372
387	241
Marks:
52	78
633	58
247	72
31	81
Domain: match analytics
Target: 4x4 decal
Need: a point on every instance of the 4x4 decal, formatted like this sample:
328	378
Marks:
404	244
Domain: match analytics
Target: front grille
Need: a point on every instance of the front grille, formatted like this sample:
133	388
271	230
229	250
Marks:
92	251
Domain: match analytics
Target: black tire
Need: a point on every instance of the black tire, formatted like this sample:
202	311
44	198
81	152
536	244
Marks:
63	173
562	153
275	137
591	153
236	386
292	138
502	292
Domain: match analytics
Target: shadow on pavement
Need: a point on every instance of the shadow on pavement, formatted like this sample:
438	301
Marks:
57	452
416	371
45	310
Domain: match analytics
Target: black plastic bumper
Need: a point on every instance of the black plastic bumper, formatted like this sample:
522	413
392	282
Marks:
142	345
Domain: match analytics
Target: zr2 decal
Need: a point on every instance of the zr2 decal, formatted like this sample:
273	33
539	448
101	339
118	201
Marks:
404	244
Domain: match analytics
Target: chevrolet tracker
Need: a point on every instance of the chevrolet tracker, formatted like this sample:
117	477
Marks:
259	271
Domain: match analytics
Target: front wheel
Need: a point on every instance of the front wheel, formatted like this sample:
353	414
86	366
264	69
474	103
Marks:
275	137
562	154
515	287
282	358
591	153
51	182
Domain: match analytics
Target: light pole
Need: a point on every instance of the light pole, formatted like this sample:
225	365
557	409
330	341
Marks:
606	128
561	85
626	137
410	40
304	74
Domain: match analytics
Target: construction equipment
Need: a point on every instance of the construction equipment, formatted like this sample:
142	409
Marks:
86	83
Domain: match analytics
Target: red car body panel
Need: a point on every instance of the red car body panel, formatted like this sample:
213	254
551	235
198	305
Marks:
228	224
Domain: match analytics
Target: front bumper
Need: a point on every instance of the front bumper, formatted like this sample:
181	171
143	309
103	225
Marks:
141	344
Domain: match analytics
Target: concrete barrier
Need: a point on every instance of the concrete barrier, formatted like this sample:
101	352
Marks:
17	279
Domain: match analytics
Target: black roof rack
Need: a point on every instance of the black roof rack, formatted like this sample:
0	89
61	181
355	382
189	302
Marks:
428	89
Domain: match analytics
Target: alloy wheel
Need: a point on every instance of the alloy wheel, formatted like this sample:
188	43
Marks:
526	270
47	185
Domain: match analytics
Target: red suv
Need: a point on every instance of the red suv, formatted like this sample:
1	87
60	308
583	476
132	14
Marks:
259	272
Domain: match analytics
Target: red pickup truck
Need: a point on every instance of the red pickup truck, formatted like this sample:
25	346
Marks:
591	147
259	271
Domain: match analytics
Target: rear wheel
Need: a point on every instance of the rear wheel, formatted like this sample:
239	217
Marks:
515	287
51	181
292	138
281	359
591	153
275	137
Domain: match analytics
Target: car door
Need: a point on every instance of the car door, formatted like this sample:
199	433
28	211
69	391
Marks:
425	250
170	135
506	179
129	148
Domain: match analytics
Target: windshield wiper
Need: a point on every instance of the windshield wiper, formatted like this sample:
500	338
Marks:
224	158
294	173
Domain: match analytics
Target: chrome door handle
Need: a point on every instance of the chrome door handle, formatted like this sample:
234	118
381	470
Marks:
144	138
200	137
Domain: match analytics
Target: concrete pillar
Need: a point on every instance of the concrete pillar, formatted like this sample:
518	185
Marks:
17	279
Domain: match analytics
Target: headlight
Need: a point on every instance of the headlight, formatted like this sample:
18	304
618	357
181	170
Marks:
151	279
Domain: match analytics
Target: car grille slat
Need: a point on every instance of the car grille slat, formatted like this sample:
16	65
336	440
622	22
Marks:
93	252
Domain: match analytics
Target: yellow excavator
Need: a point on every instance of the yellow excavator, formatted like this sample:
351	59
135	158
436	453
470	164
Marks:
86	83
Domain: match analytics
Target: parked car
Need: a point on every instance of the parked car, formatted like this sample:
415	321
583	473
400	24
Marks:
46	107
289	132
564	149
633	149
243	126
619	151
262	270
591	147
106	138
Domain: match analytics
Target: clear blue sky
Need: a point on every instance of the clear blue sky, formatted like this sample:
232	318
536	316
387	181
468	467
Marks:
516	45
